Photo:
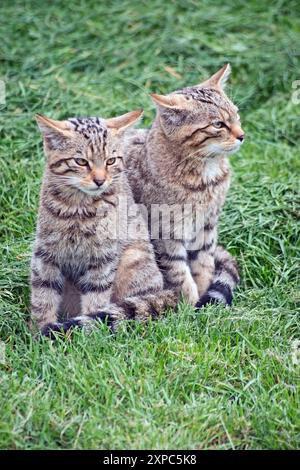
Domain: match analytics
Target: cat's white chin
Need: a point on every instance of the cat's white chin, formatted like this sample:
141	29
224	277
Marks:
93	191
235	149
215	150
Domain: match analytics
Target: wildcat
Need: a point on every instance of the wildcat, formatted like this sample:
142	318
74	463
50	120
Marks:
183	158
80	270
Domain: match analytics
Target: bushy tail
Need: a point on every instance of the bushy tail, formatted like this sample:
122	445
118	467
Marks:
132	308
226	278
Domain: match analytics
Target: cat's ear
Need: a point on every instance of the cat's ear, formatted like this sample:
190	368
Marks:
173	101
54	132
219	79
120	123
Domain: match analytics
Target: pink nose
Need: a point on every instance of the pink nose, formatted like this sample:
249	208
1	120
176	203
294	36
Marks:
98	181
241	137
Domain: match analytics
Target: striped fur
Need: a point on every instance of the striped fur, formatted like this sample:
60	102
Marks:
81	270
139	308
183	159
226	277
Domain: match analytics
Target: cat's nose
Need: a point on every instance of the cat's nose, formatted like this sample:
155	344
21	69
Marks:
99	182
241	137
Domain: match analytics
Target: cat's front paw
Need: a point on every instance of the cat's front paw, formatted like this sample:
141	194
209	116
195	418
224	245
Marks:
189	291
50	329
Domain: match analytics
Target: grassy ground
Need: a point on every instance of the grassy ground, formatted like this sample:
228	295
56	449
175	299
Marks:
225	378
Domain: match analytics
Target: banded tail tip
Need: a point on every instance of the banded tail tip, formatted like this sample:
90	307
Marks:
216	294
51	329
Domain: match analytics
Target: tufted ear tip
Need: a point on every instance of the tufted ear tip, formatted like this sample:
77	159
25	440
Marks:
226	71
219	79
167	101
121	123
47	125
40	118
138	113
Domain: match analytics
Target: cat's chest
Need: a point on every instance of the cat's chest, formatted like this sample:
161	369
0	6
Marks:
90	230
79	235
80	249
207	185
205	194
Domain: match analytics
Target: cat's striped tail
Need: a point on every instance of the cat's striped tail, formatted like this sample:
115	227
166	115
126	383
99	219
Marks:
137	308
225	279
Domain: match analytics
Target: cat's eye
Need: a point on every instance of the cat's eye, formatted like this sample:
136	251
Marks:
219	124
81	161
111	161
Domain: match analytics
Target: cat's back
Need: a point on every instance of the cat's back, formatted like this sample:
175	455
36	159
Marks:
135	137
135	161
134	146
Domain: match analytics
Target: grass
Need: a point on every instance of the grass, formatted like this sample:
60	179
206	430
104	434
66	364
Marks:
225	378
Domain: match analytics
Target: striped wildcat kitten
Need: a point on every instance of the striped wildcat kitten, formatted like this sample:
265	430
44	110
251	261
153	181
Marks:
82	269
183	159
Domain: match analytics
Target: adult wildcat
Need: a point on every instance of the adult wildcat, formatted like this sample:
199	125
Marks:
183	159
82	269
